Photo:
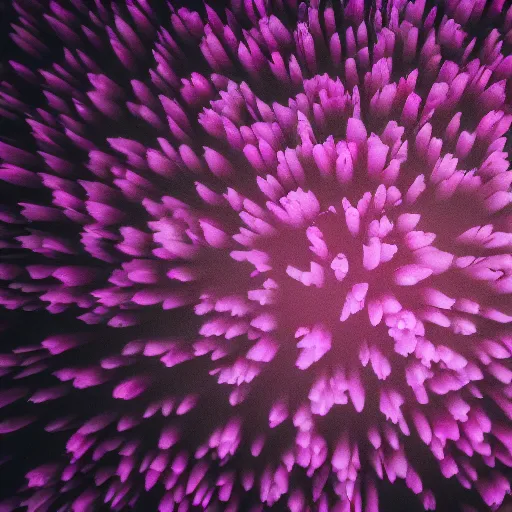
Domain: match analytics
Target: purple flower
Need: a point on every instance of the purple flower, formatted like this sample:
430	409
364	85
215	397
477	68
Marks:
299	214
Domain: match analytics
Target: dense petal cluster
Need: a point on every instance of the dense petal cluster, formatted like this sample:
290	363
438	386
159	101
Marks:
306	204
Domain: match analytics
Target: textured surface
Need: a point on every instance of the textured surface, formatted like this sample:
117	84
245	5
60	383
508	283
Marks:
285	231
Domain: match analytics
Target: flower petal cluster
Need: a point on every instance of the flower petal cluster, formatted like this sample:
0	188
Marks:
285	231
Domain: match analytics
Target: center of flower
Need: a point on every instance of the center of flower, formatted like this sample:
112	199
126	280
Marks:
319	265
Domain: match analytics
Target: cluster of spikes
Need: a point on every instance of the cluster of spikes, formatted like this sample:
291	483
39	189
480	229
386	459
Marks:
313	200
